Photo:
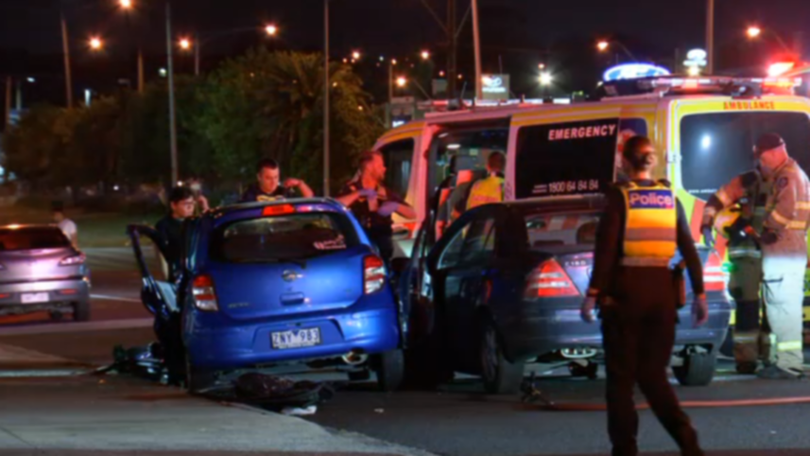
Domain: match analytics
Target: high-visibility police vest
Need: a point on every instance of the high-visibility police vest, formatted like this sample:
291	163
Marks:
485	191
651	225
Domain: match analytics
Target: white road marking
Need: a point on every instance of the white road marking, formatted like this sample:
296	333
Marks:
57	328
114	298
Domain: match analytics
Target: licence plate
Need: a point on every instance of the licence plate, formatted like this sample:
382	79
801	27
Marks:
29	298
308	337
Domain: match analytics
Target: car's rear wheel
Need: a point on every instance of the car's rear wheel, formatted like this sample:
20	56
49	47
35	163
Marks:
499	374
390	370
697	369
81	311
197	380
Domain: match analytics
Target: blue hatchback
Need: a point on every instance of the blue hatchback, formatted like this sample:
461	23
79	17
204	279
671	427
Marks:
295	281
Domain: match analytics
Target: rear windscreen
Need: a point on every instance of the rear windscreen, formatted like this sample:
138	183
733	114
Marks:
717	147
294	236
561	232
32	239
565	158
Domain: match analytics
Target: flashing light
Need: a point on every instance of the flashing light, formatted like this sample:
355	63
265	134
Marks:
634	71
278	210
780	68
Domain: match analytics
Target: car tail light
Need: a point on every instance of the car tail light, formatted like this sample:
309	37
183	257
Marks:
283	209
549	280
73	260
714	277
205	298
373	274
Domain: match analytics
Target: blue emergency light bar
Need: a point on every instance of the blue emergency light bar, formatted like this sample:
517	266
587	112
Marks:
725	85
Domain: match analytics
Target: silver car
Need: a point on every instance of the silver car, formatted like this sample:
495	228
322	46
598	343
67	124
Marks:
41	271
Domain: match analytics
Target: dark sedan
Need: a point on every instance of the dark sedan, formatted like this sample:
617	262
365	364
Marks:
503	288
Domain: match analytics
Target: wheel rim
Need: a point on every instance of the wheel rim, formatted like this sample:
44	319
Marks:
489	355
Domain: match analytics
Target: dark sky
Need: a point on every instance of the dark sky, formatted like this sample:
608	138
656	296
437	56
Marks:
516	30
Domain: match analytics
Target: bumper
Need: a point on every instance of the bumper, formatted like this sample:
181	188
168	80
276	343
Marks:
551	327
27	297
216	343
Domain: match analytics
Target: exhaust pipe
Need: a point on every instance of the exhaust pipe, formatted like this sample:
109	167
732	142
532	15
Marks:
355	358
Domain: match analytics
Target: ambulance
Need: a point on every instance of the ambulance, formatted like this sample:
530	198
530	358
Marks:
703	129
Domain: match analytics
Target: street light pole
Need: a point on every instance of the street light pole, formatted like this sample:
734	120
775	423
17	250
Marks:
710	36
66	52
326	99
479	89
172	123
197	45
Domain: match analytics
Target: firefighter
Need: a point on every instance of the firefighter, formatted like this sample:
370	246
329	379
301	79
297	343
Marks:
784	253
489	189
739	204
642	228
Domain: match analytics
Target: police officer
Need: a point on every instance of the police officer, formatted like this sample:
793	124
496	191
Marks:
784	253
642	228
267	186
373	204
489	189
750	192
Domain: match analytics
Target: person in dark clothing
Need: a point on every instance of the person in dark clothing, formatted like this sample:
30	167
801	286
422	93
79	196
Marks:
638	235
267	188
373	204
170	227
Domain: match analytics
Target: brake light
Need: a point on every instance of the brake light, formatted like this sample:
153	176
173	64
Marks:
373	274
283	209
205	298
73	260
549	280
715	278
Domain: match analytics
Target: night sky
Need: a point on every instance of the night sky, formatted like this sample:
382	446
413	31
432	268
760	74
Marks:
517	31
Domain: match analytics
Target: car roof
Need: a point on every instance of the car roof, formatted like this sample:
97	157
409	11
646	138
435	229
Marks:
225	210
29	226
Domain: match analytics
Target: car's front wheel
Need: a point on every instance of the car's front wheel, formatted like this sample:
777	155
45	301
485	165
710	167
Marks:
697	369
197	380
390	370
81	311
499	374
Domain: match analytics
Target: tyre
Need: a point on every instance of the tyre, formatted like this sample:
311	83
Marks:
197	380
390	370
81	311
499	374
697	369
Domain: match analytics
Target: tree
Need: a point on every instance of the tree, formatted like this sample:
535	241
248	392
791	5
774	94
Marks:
268	104
33	146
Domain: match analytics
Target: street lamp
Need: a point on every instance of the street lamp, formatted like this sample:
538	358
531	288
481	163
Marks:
425	55
95	43
401	81
356	55
753	32
185	44
125	4
541	66
546	78
602	46
271	30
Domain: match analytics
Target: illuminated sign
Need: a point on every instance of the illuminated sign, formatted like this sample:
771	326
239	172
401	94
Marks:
634	71
749	105
495	86
696	58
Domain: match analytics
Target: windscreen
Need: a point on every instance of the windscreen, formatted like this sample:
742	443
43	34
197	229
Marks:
717	147
294	236
561	232
32	239
565	158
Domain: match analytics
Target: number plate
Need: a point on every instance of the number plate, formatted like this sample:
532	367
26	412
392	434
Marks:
29	298
308	337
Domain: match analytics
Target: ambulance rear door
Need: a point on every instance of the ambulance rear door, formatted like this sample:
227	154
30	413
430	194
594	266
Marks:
562	152
711	141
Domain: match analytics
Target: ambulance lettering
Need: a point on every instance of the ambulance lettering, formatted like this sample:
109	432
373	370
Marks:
651	199
749	105
598	131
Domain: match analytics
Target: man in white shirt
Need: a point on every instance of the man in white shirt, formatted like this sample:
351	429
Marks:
66	225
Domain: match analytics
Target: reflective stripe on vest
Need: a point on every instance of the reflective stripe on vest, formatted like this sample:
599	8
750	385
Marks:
650	233
486	191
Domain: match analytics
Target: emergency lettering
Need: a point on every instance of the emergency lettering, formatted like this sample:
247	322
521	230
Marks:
749	105
651	199
598	131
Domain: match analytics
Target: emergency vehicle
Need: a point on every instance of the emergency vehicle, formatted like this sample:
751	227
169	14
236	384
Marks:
704	129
